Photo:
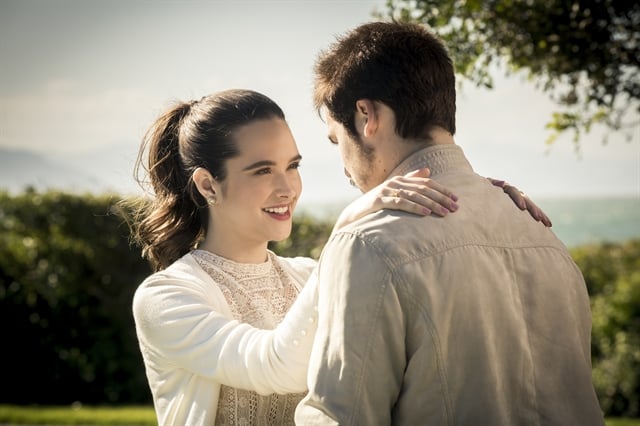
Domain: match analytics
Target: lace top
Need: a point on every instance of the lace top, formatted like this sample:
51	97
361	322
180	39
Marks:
260	295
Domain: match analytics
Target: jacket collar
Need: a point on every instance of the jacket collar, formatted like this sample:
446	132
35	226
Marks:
438	158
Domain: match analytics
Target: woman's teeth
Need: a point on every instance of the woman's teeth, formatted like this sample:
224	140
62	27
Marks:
277	210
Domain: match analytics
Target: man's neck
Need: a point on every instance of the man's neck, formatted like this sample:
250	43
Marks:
408	147
437	136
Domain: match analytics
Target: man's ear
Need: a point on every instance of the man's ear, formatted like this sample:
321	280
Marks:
366	117
205	183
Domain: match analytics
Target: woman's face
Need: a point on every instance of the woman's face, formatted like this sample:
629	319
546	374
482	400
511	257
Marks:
257	198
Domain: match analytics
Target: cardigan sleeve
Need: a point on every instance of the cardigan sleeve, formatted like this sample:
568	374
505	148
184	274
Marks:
181	323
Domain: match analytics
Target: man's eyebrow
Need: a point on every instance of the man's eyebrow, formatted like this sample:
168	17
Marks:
265	163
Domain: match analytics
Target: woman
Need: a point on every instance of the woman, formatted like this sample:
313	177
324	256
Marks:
221	338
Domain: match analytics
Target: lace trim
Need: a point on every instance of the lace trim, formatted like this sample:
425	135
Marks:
260	295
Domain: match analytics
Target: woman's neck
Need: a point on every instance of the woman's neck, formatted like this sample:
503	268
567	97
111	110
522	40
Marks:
241	252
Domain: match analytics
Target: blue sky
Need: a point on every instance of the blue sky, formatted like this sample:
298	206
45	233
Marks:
82	76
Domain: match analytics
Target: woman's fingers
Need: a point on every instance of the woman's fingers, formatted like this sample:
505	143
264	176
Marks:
416	197
516	195
416	187
525	203
402	202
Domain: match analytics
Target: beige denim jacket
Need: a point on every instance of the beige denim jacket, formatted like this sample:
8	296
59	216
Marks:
478	318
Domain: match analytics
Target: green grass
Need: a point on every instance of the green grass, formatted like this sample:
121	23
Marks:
34	415
130	416
622	422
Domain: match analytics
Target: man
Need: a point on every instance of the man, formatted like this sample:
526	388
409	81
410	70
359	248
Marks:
478	318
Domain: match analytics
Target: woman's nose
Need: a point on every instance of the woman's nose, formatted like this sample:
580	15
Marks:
286	187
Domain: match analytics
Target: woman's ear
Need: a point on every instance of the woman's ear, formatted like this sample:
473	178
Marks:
205	183
366	117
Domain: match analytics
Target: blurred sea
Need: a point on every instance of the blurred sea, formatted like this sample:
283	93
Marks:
575	221
593	220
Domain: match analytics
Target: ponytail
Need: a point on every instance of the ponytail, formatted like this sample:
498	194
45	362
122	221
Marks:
170	225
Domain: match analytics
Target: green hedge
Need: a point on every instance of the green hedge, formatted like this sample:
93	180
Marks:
67	276
612	273
68	273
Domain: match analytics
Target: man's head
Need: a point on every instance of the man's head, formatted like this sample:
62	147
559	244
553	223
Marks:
386	89
401	65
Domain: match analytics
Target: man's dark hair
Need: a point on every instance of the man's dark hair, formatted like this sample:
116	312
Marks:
401	65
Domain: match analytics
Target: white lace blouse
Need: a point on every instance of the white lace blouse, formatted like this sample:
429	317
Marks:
259	295
205	326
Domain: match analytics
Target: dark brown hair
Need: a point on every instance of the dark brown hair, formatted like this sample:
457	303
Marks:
189	135
401	65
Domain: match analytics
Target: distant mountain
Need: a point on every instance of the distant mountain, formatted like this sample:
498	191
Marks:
98	171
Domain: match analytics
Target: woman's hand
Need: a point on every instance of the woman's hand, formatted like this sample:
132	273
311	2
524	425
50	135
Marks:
412	193
522	201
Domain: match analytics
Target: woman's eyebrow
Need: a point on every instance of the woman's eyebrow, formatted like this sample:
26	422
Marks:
263	163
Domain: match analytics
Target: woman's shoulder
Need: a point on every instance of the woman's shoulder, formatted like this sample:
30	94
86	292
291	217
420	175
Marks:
185	267
300	268
183	283
182	278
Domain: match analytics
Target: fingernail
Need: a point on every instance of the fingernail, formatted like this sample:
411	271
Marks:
444	211
454	197
453	207
499	183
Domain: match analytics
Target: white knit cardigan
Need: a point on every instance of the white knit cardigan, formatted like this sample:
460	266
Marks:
191	344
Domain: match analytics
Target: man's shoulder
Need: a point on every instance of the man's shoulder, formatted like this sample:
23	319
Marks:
487	219
384	222
391	232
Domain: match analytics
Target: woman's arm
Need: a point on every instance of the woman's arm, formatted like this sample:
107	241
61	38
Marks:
416	193
180	325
